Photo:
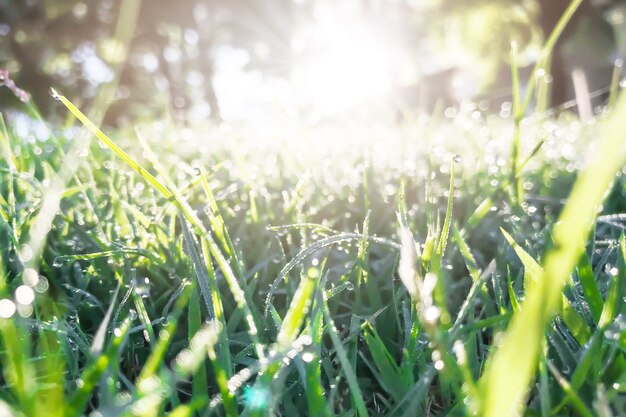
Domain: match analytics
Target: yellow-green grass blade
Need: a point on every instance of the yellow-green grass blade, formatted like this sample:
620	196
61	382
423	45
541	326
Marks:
17	368
289	330
111	145
532	269
12	163
361	267
60	260
511	369
298	309
316	400
218	224
439	293
532	272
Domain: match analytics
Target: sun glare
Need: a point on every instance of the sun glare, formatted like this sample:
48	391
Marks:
342	67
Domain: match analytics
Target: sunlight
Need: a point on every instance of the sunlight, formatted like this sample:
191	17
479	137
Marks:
341	67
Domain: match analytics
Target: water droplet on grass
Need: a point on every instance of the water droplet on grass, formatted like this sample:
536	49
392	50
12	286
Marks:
7	308
54	93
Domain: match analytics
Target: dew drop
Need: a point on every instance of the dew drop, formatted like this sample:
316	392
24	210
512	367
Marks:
55	95
7	308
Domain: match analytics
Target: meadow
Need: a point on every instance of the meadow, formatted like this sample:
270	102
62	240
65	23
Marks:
471	264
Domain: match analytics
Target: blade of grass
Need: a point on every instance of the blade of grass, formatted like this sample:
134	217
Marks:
519	352
199	383
344	237
290	327
346	367
615	80
573	396
391	377
518	115
91	374
590	287
316	400
532	272
98	340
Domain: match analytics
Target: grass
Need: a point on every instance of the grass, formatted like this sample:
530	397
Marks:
466	266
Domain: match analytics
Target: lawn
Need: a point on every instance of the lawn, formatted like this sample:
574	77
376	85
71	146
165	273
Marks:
401	270
465	264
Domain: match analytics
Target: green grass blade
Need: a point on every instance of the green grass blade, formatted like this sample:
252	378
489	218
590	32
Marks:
186	210
590	287
611	303
532	273
346	366
571	393
615	80
322	243
166	335
547	50
98	340
200	383
298	309
390	374
92	373
519	352
532	269
316	400
445	230
134	165
199	266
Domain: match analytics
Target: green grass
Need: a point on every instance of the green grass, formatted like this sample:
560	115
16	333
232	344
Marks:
466	266
193	287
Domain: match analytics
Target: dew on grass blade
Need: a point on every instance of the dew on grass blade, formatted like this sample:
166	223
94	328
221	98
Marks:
142	287
7	308
24	295
257	398
54	93
30	277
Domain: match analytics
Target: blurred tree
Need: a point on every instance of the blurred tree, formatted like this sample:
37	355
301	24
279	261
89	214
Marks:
484	30
588	42
54	43
172	58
